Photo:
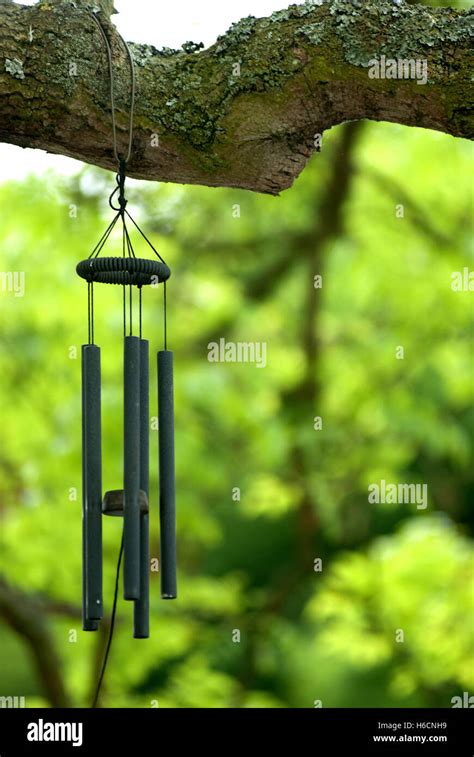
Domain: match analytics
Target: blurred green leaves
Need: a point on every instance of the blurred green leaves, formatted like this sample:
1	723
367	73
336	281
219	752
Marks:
247	563
407	602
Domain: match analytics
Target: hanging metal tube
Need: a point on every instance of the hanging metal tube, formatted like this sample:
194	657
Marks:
131	468
91	489
141	620
167	475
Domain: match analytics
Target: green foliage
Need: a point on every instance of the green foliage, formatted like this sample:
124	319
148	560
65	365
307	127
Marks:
406	602
247	564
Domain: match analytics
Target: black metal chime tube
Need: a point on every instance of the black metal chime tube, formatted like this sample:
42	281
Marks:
131	487
167	475
141	623
91	488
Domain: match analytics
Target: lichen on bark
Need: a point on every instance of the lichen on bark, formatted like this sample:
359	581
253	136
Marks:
243	112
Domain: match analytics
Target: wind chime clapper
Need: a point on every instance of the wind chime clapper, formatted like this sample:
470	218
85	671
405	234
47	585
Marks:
131	502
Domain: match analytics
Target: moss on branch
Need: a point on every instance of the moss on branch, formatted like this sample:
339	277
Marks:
243	112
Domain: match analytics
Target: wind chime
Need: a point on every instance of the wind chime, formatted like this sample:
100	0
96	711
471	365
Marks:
132	502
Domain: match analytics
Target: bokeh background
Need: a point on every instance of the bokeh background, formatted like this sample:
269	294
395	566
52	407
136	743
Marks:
384	214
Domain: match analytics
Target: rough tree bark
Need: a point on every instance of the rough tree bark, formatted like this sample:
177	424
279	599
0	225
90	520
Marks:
244	112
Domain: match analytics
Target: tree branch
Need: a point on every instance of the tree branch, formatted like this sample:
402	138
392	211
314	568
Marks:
243	113
420	218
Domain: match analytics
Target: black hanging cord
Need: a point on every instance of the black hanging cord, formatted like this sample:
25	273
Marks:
123	289
121	211
164	317
120	189
164	283
112	95
92	312
111	631
140	309
145	237
100	244
88	312
124	312
121	175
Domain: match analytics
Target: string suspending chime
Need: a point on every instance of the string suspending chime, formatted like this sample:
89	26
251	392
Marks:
132	502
